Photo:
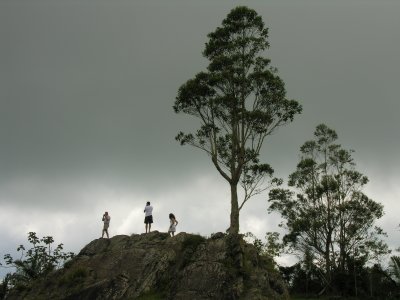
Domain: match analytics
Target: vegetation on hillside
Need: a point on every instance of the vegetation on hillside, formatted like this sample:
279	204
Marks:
330	225
34	263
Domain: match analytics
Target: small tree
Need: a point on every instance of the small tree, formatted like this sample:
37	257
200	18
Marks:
239	101
330	216
35	262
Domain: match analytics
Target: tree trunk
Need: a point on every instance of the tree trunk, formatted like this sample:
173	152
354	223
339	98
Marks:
235	248
234	226
328	262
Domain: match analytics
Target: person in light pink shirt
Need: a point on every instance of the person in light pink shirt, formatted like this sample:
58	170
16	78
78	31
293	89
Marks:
106	219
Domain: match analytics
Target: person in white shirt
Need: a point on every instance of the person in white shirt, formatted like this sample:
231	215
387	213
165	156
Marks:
148	216
106	219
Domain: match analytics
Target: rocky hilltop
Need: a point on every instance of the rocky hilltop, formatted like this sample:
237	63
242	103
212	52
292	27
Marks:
156	266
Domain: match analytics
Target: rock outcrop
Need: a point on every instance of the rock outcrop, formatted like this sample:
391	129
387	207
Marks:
156	266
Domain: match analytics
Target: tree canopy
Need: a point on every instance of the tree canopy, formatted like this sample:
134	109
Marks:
239	101
330	217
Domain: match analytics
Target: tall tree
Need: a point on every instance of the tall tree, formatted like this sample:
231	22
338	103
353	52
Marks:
331	215
239	101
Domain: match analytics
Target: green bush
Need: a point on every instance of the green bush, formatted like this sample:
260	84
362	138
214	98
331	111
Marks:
34	263
193	241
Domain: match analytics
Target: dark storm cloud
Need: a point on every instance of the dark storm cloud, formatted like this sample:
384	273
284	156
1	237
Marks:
86	88
91	86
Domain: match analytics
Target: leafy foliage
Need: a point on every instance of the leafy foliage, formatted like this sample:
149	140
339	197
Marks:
36	262
330	217
4	286
239	101
272	247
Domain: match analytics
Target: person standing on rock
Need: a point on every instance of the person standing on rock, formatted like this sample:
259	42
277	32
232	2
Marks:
148	216
173	222
106	219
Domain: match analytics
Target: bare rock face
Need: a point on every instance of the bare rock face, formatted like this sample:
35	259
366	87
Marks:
156	266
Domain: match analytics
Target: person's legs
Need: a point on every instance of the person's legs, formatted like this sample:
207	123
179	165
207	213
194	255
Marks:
150	219
107	233
147	222
102	233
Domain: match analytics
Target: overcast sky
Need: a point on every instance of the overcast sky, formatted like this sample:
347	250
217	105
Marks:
87	125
